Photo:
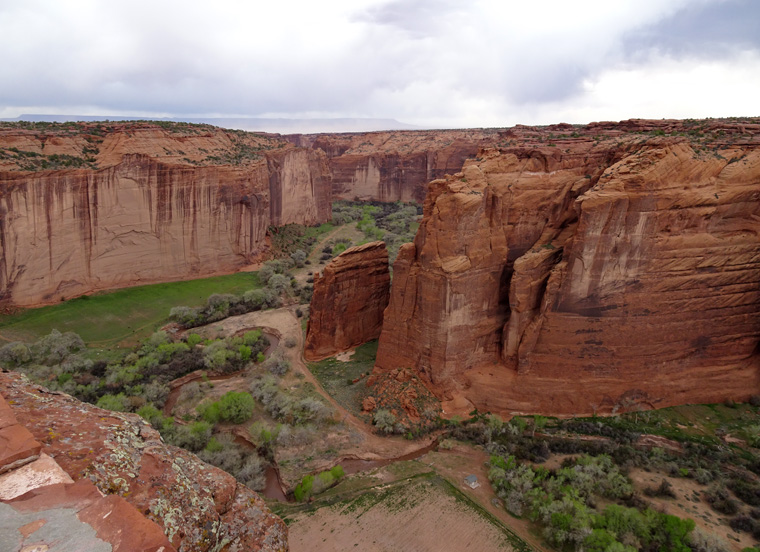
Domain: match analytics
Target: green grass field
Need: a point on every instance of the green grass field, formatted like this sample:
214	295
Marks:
334	375
122	317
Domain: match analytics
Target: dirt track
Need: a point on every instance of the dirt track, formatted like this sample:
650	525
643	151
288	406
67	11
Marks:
288	325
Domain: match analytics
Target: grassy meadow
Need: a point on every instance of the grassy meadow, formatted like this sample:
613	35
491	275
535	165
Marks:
123	317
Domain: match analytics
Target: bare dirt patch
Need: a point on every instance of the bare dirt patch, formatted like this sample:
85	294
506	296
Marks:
463	460
418	514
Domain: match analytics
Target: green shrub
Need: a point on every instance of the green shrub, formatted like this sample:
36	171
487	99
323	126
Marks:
251	338
211	412
244	351
152	415
214	446
236	406
117	403
303	489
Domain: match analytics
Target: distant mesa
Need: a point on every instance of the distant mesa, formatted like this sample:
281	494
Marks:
252	124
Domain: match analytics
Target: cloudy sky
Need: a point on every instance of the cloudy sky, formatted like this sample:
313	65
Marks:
432	63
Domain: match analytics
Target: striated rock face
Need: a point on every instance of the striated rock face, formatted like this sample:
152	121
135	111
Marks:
394	165
614	269
150	206
197	506
348	301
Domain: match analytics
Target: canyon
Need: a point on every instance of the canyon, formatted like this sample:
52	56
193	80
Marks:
394	165
554	257
561	270
99	206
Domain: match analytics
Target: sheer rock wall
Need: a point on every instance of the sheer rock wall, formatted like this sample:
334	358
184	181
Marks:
613	269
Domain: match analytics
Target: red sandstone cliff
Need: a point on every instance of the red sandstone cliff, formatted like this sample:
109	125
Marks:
348	301
394	165
606	269
144	204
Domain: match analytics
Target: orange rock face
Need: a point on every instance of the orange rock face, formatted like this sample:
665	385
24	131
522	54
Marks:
151	205
597	271
348	301
394	165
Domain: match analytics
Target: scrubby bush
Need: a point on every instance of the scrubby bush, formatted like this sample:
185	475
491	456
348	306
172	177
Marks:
189	392
193	437
702	542
217	356
186	316
277	365
310	409
14	354
718	497
245	465
117	403
55	347
384	420
663	490
746	491
299	257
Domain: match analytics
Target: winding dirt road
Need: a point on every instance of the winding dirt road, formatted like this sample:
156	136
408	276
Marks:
285	322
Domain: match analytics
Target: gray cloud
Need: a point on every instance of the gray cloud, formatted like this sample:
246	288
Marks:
703	29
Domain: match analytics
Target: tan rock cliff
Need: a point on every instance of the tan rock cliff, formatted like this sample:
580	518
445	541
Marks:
607	269
348	301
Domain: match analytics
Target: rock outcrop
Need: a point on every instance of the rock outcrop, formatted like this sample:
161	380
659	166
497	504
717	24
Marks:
197	506
394	165
348	301
611	268
43	509
145	205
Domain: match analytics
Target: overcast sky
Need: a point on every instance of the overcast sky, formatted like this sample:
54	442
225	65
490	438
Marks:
432	63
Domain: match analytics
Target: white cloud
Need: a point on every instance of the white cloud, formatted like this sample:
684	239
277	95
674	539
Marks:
427	62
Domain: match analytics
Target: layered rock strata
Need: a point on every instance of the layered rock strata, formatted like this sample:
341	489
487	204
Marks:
151	205
614	268
348	301
197	506
394	165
